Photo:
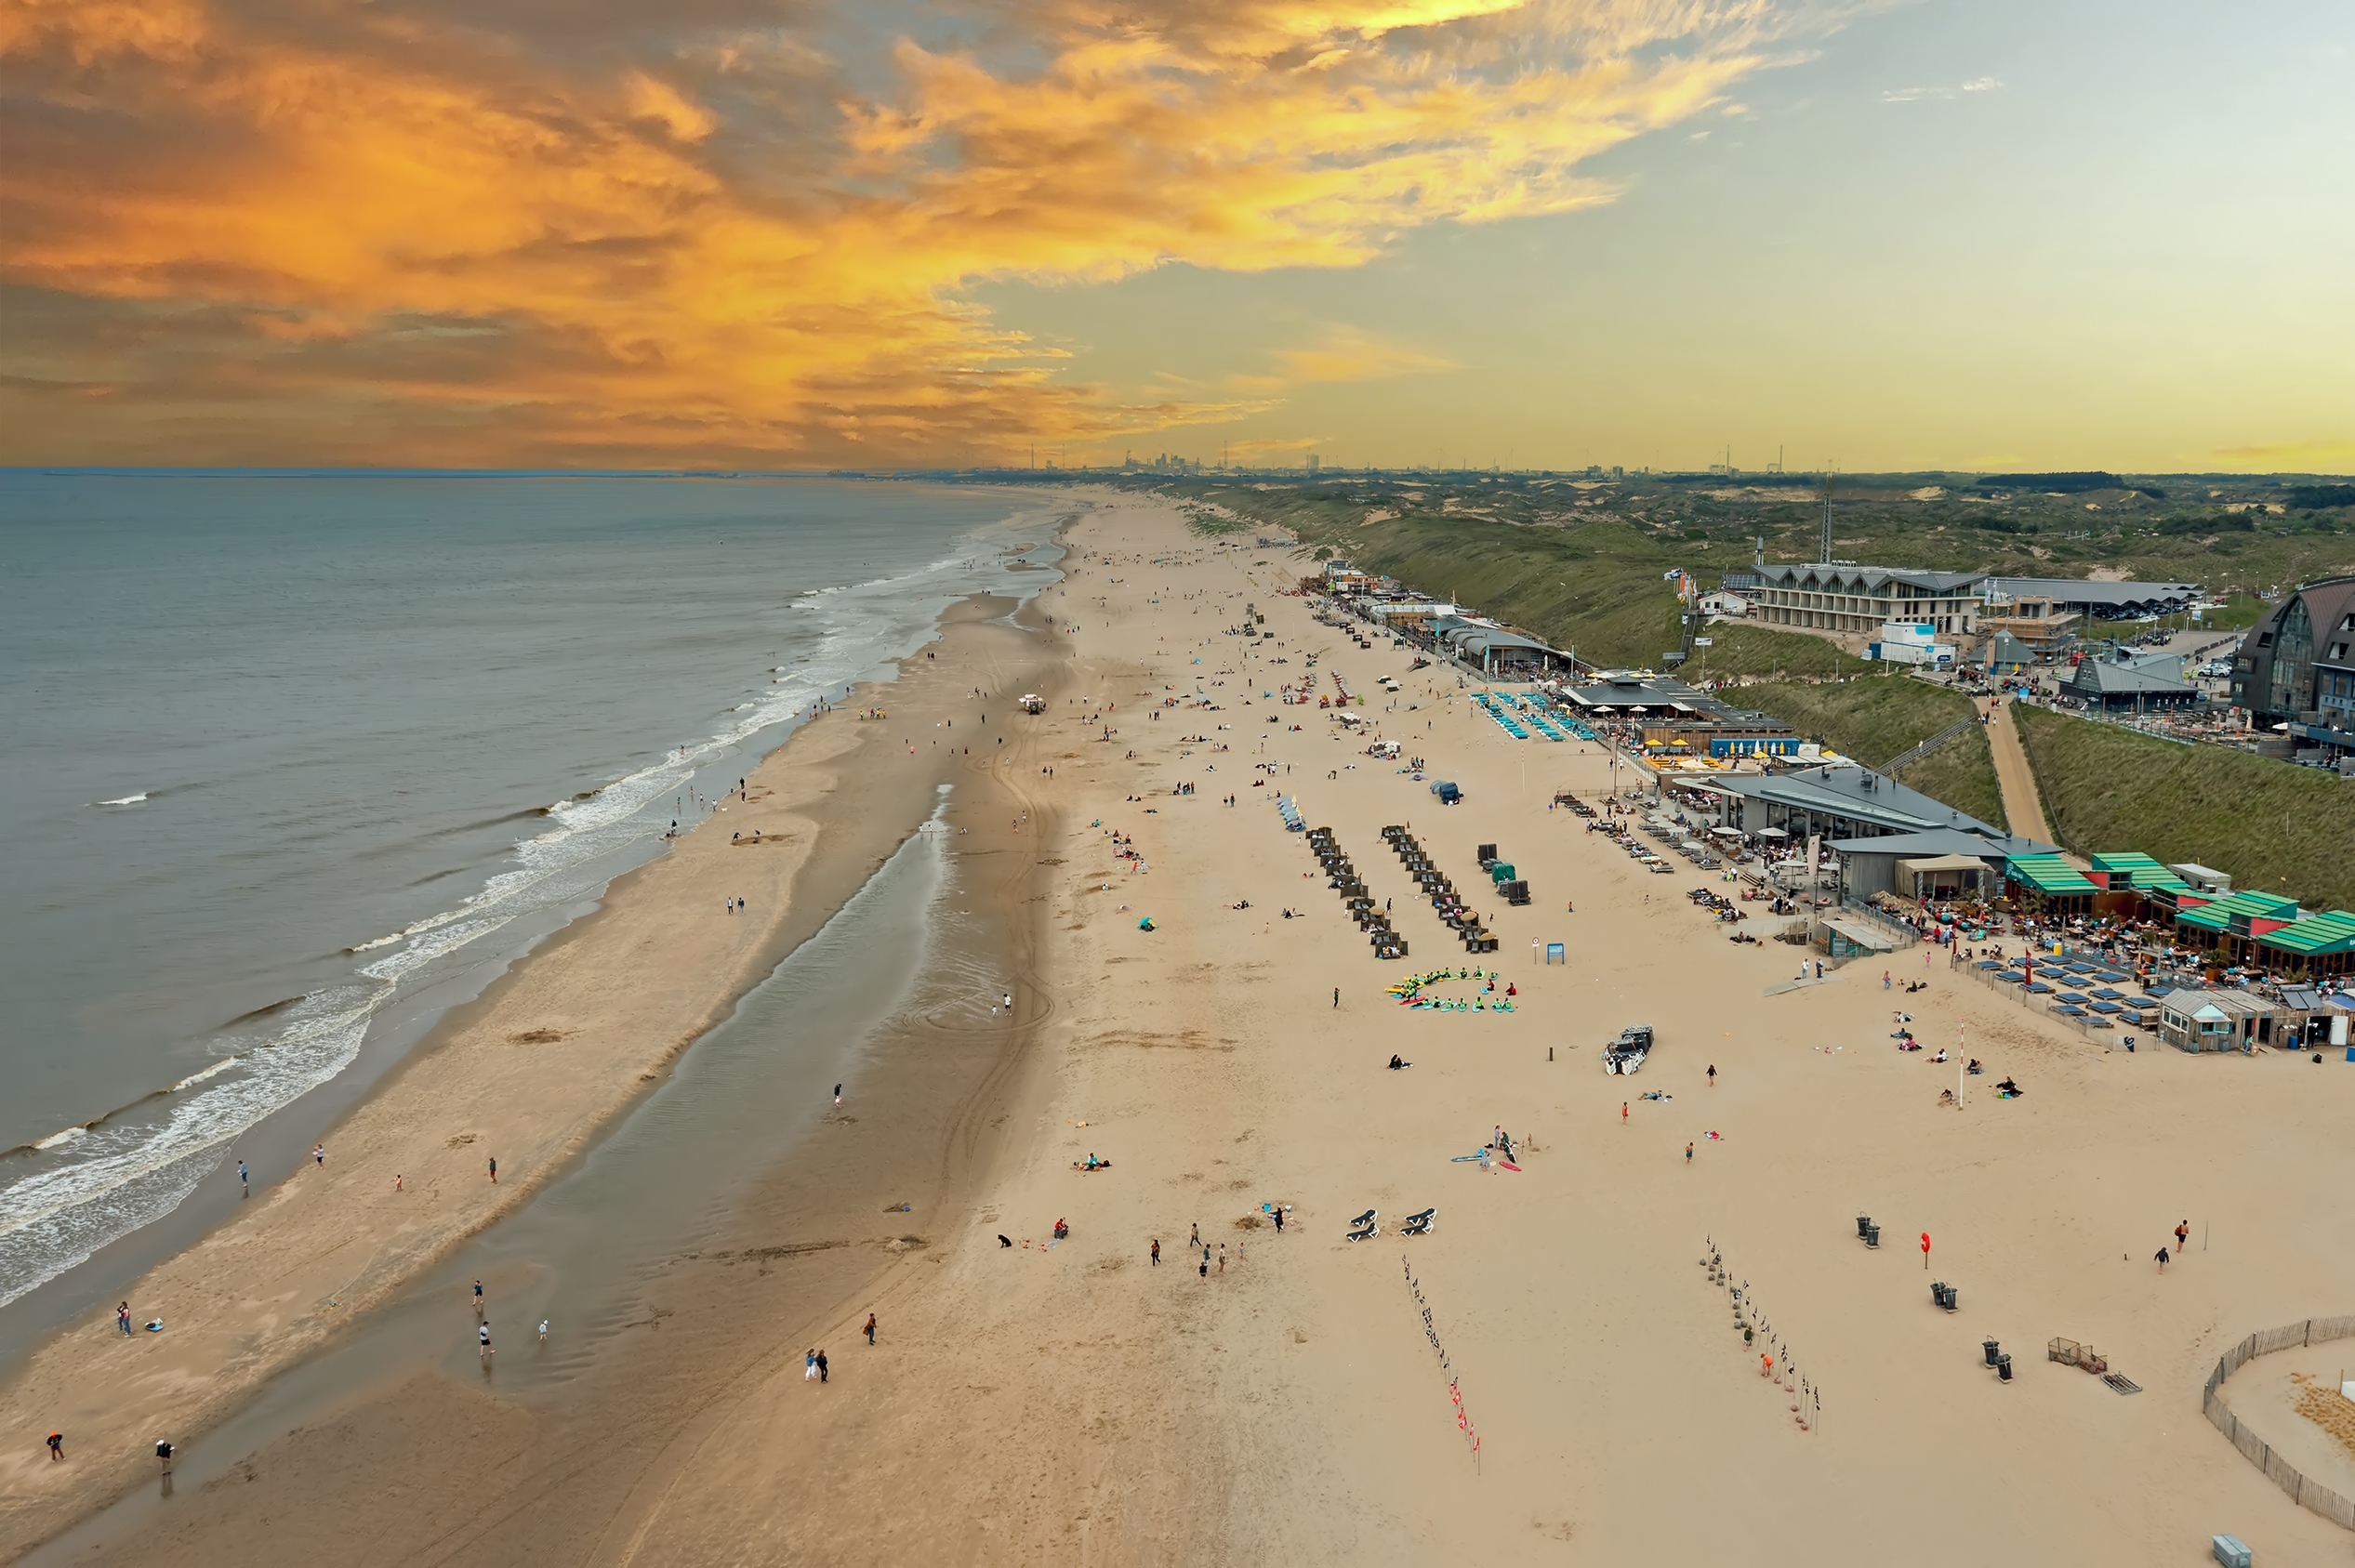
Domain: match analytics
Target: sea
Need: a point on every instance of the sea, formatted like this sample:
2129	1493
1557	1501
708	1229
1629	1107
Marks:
294	762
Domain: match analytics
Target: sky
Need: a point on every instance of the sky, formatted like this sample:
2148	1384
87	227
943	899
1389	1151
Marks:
1860	233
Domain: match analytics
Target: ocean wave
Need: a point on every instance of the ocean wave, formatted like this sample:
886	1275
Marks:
127	800
94	1183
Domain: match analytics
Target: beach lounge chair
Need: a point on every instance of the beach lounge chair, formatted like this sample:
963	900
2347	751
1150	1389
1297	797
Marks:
1362	1236
1364	1219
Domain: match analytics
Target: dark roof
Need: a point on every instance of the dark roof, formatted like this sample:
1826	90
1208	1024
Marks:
1838	578
2084	594
1844	791
1943	841
2102	677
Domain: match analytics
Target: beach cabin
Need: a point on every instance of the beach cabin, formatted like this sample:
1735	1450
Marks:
2216	1020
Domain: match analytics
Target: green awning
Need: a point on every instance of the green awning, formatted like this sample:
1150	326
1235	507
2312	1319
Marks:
2219	916
2332	931
2049	874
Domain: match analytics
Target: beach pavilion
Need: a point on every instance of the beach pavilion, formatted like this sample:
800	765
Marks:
1941	863
2051	886
2315	944
2236	923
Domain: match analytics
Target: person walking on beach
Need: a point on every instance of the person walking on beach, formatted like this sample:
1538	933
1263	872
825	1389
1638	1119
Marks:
1688	1152
2183	1237
821	1366
838	1097
494	1171
870	1328
319	1154
809	1364
1279	1220
2162	1260
123	1318
396	1180
1713	1075
543	1331
246	1186
1156	1252
1193	1238
482	1337
1206	1264
1336	996
57	1446
1622	1113
478	1301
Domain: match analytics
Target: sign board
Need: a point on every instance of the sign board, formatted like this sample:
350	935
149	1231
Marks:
1704	642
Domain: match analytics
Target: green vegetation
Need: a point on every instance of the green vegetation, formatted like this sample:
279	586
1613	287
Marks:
1580	560
2274	828
1962	773
1874	718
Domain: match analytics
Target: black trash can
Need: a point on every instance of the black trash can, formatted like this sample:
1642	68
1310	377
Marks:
1989	1344
2004	1367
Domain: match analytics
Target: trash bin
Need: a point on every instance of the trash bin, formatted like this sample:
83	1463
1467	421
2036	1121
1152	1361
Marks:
2004	1367
1938	1293
1872	1235
1989	1344
1953	1297
1863	1223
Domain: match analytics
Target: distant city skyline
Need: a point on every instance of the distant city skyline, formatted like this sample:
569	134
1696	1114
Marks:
1440	234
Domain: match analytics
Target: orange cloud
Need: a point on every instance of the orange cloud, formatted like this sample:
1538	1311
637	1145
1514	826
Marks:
238	232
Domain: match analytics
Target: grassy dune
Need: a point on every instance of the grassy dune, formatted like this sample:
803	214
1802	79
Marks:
1874	718
2275	827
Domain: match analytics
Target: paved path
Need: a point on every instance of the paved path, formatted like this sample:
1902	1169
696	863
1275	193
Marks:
2023	808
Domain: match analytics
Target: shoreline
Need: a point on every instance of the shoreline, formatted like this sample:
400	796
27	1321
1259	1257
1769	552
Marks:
1092	1398
223	1342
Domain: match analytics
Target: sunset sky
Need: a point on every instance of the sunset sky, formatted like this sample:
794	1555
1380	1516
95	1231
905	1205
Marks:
1990	234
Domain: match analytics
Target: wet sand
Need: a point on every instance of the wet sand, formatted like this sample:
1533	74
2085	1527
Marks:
1080	1404
527	1076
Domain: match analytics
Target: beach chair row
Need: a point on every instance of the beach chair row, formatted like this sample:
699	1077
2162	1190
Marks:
1343	878
1437	887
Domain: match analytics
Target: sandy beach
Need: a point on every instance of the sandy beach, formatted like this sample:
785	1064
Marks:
1303	1398
526	1076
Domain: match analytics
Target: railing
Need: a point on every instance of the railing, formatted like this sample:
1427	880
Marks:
1897	931
1907	758
2308	1494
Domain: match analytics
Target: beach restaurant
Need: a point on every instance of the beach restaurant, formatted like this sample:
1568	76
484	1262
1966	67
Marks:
2049	885
1942	865
1839	800
2312	945
2233	924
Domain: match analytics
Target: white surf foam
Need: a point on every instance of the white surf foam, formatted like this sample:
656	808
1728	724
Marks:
109	1180
127	800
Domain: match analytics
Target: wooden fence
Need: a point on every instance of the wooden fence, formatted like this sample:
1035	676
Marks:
2308	1494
